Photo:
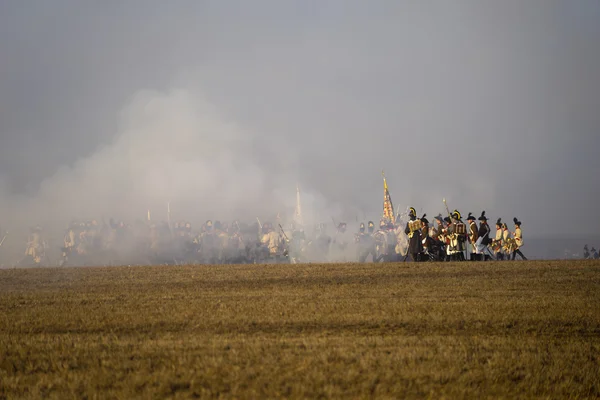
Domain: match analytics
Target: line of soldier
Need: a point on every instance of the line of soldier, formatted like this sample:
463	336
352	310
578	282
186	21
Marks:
160	243
448	239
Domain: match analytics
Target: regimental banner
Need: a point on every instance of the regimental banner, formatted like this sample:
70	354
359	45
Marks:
388	207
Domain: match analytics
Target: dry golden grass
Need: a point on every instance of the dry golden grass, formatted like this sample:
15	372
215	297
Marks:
474	330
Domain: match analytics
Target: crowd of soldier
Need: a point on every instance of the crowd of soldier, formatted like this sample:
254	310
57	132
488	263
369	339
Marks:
447	239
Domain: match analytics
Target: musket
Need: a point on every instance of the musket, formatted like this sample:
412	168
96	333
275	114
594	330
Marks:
259	224
283	233
4	238
447	210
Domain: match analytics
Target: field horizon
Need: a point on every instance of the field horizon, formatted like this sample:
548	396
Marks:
412	330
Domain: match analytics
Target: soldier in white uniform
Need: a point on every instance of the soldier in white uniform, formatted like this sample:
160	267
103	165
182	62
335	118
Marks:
518	237
473	236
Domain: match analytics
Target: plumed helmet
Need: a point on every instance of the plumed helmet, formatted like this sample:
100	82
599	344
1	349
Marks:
499	222
516	221
470	217
456	214
412	212
423	219
482	217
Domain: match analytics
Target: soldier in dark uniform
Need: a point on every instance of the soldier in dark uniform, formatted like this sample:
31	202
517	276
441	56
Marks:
586	252
365	242
484	237
413	231
426	240
297	244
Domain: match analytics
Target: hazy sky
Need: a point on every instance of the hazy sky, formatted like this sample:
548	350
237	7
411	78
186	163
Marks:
221	107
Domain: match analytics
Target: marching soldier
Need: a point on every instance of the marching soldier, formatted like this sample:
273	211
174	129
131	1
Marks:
365	243
518	236
339	244
457	233
209	243
69	243
484	237
413	231
425	239
321	243
586	252
450	241
271	240
507	241
35	246
497	244
437	238
401	248
473	236
297	244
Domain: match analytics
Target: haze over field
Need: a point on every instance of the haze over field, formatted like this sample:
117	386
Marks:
111	108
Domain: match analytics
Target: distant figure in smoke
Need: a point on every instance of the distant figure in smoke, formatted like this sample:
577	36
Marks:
594	254
518	236
365	243
586	252
339	244
36	247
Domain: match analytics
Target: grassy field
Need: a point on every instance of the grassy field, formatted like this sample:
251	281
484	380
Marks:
493	330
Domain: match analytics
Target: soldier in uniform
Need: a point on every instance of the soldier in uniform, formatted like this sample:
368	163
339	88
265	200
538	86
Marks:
70	243
209	243
321	243
586	252
339	244
364	243
297	244
380	239
401	248
518	236
271	240
497	242
458	234
235	244
507	241
36	246
473	236
437	238
595	255
484	237
426	239
449	239
413	231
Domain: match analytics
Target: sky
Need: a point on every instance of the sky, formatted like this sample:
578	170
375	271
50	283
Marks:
222	107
